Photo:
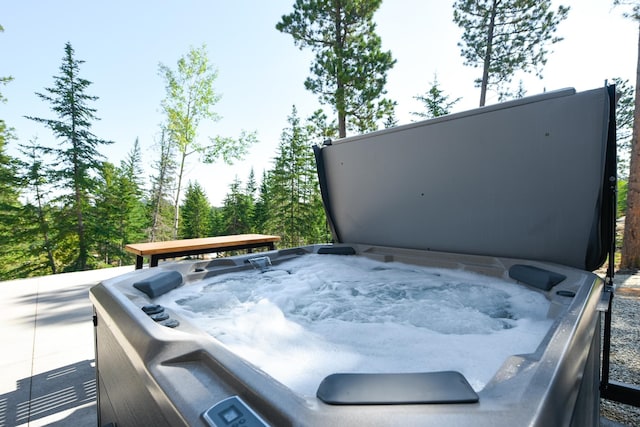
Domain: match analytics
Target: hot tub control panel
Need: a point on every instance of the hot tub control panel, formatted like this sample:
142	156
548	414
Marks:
232	412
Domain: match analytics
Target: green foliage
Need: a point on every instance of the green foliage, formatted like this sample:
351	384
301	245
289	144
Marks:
505	36
189	100
8	197
105	232
320	128
624	123
350	68
262	205
131	191
77	154
216	221
229	149
623	186
294	195
119	210
195	212
435	102
160	208
9	215
3	81
36	232
237	210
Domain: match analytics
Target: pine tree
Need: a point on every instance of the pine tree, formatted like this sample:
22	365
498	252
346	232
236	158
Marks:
196	213
36	213
350	68
107	210
160	205
624	124
77	154
9	214
631	240
236	210
119	209
262	207
294	193
216	221
251	186
6	133
436	103
130	187
504	36
9	203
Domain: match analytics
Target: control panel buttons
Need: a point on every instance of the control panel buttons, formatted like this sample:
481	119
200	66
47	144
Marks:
232	412
158	314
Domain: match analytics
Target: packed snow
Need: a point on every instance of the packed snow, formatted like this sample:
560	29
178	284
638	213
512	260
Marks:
315	315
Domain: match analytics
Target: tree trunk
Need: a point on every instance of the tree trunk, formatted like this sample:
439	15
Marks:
176	206
340	96
631	240
42	225
487	56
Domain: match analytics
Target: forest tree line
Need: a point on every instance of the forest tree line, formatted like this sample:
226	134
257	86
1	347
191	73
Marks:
65	207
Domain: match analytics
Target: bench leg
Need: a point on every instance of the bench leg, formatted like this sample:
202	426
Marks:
139	260
154	261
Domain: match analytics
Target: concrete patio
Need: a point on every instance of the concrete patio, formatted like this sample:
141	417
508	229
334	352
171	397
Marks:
47	375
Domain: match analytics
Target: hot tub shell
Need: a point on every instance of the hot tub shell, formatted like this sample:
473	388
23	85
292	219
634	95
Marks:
524	183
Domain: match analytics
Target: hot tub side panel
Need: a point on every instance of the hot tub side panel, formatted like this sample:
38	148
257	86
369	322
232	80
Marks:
572	388
126	394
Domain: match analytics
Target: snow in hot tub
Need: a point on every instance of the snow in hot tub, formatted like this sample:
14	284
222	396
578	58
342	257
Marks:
315	315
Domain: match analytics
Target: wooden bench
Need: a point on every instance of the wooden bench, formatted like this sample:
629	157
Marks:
205	245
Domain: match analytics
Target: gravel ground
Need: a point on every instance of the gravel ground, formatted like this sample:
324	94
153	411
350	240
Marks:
625	347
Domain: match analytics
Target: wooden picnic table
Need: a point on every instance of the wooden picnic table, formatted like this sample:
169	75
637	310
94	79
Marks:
205	245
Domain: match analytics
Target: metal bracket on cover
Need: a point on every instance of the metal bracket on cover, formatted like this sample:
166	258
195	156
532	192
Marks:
605	297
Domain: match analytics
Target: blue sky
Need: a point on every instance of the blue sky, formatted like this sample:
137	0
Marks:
261	72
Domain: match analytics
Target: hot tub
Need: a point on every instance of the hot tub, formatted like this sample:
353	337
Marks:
458	291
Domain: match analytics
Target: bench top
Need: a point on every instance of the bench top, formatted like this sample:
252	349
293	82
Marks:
170	246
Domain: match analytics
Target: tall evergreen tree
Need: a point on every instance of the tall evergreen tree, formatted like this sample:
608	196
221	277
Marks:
216	222
9	191
631	240
624	124
6	133
350	68
162	184
435	102
119	209
77	154
504	36
251	186
9	214
236	210
294	192
196	213
189	100
131	191
262	207
107	211
36	213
